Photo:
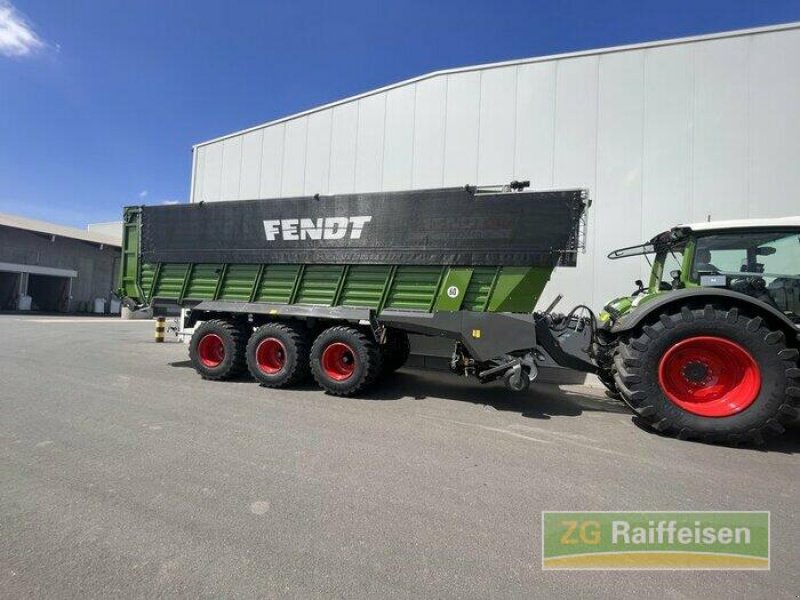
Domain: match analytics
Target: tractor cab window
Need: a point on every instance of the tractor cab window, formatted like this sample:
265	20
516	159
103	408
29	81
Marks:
666	269
765	265
673	262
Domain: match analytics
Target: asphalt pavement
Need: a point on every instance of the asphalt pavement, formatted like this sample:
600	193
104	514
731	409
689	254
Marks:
124	474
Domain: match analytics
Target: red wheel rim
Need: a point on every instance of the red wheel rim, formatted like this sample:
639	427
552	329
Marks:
338	361
211	350
271	356
709	376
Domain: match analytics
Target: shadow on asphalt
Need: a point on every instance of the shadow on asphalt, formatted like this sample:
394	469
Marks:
788	443
542	401
181	363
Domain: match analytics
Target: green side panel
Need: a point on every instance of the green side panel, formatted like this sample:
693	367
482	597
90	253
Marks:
453	289
319	284
425	288
480	286
203	281
170	280
129	269
518	288
238	283
364	286
146	280
277	284
414	287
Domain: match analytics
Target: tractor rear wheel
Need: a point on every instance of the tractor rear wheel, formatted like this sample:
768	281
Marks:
345	361
714	375
277	354
217	349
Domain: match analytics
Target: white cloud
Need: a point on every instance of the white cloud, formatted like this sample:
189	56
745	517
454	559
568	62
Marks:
17	37
170	202
143	194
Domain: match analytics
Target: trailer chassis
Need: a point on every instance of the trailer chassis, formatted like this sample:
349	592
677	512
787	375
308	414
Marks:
487	346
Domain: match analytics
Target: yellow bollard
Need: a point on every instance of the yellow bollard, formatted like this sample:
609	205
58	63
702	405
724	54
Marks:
160	326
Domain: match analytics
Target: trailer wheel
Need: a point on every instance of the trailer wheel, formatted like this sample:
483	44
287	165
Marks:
217	349
277	355
345	361
396	350
713	375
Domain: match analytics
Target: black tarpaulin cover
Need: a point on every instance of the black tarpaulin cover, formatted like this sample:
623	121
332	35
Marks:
424	227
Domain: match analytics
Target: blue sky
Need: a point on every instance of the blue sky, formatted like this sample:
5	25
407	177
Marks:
101	101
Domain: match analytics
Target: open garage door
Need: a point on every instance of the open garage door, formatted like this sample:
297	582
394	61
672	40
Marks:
49	293
9	288
48	287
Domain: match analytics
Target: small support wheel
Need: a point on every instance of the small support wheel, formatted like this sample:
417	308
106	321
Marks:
517	379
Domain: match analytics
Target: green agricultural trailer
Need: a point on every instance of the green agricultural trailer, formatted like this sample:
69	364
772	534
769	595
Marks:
331	286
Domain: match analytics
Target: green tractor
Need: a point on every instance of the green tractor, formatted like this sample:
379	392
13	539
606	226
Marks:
708	349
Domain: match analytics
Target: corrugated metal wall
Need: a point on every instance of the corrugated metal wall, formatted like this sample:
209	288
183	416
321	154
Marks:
660	134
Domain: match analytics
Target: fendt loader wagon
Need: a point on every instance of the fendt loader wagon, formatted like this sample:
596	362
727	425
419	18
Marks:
332	285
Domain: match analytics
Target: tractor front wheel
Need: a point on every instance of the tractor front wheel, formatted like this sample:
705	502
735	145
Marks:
713	375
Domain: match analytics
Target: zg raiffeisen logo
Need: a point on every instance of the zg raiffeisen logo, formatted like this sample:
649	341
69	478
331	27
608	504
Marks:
655	540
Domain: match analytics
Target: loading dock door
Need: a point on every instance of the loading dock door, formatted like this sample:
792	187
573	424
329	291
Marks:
48	293
9	288
49	287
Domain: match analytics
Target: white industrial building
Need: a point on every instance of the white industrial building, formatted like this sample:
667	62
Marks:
660	133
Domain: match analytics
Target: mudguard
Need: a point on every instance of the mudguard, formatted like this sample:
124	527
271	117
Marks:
485	335
701	295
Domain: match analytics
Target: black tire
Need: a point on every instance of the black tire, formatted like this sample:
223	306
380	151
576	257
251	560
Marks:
359	366
231	338
773	404
277	354
521	385
607	379
606	370
396	350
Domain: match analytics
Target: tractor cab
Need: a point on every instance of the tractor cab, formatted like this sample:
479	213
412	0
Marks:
756	257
